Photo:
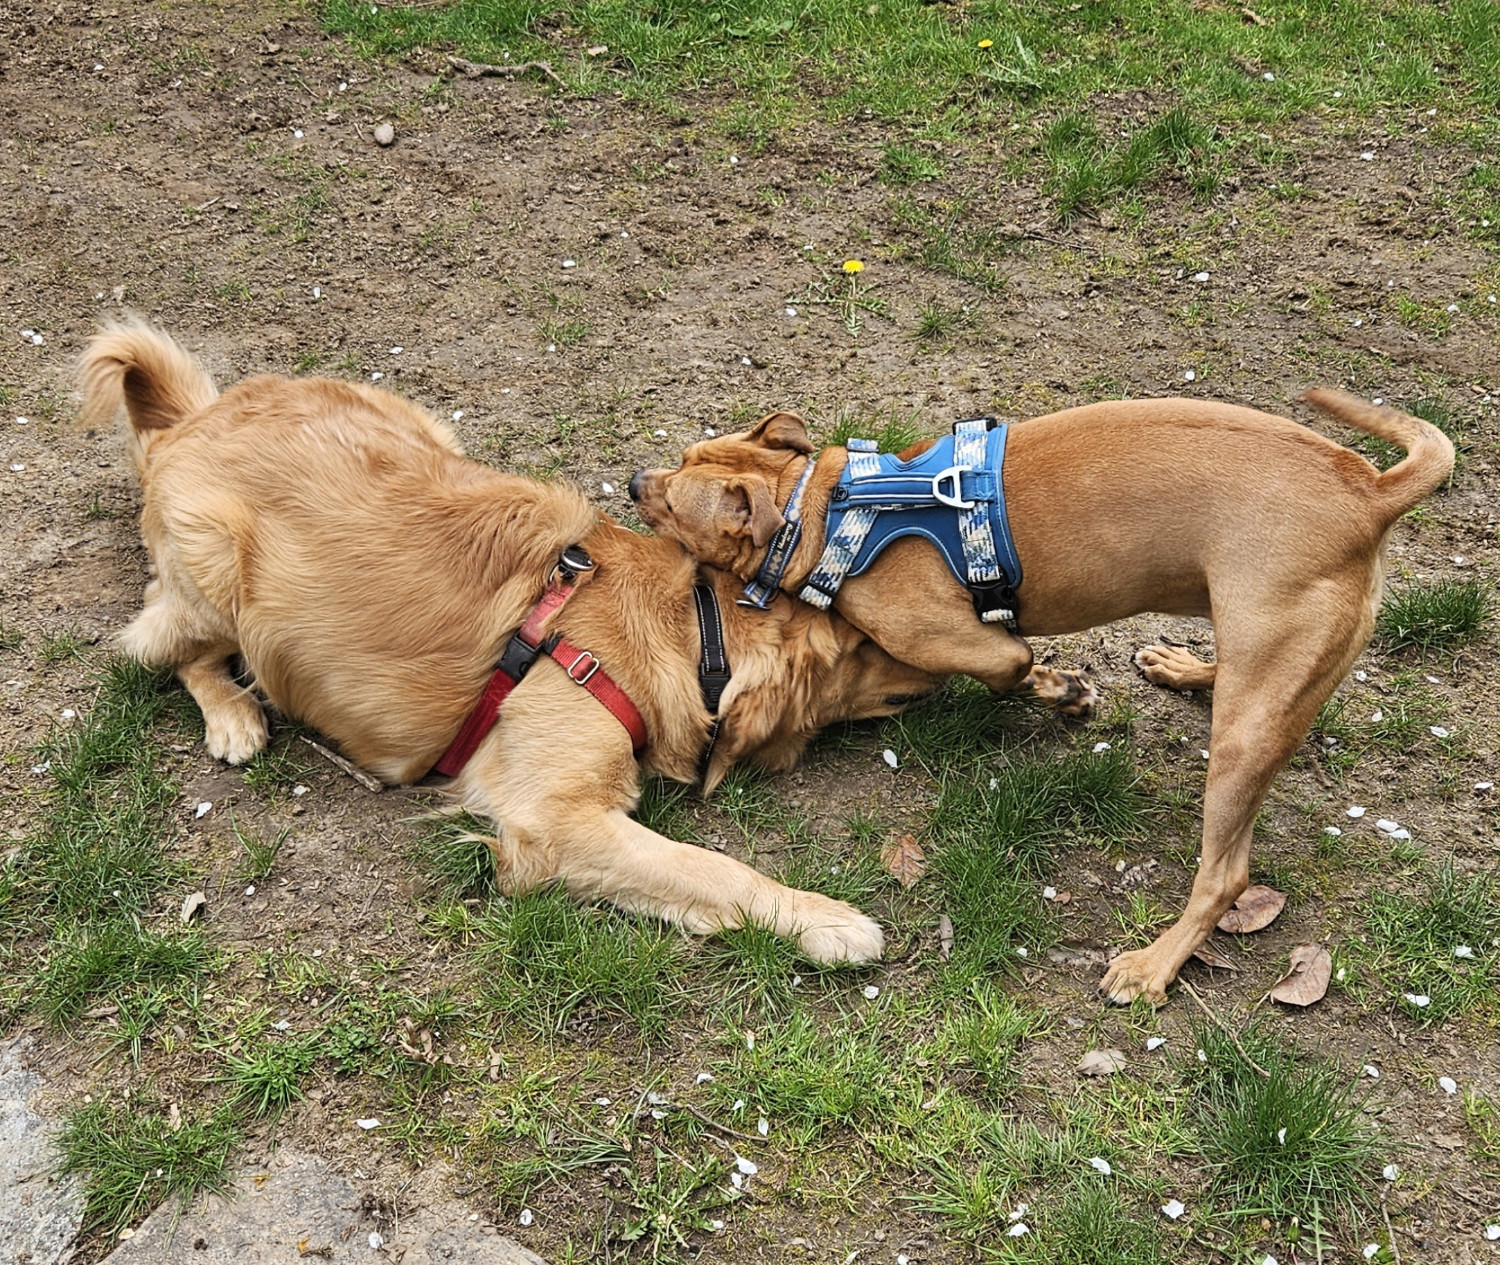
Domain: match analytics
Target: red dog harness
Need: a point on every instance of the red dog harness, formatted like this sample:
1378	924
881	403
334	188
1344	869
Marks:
524	648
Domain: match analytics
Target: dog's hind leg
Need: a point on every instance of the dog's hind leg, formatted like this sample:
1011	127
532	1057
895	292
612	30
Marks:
1175	668
1274	673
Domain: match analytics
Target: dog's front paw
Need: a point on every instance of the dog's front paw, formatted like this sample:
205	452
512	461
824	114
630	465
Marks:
1068	693
1136	974
835	934
236	734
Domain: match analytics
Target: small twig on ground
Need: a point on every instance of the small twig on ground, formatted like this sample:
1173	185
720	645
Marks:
1390	1233
714	1124
1224	1028
371	784
476	70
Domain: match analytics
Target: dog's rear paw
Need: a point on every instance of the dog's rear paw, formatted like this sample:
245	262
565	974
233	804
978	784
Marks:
1068	693
1132	975
836	934
236	734
1175	667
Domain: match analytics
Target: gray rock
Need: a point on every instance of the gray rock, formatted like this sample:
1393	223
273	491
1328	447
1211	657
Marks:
296	1207
39	1211
385	135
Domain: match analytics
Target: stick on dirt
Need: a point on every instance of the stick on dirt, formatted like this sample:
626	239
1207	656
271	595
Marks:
1224	1028
371	784
476	70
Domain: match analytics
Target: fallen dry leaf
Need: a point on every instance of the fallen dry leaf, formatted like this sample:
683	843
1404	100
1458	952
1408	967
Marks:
1101	1063
192	904
945	937
1256	908
1062	898
1306	980
904	859
1209	955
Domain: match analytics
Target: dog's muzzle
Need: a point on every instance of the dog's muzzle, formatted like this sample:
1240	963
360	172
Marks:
637	485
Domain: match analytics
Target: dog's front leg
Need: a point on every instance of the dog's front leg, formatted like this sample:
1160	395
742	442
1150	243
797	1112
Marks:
610	855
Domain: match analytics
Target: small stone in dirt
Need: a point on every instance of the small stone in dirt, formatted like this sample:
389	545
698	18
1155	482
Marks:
570	263
1101	1063
385	135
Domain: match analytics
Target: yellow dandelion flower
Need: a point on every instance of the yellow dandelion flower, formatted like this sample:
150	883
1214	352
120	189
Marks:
852	266
986	43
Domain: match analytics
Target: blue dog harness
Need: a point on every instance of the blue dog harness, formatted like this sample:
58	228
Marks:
952	494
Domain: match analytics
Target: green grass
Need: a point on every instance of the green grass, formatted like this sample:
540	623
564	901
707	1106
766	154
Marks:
1437	615
1085	170
893	433
133	1158
268	1079
114	959
1321	1169
550	963
921	65
261	850
1411	937
902	164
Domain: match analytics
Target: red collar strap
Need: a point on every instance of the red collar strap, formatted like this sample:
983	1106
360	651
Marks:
524	648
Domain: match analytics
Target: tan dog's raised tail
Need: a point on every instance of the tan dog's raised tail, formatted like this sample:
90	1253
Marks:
334	537
1182	507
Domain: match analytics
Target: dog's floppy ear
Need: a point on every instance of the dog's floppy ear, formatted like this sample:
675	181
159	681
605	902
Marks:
751	510
782	430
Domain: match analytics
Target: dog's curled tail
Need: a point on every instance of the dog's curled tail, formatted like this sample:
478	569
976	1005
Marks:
1429	452
159	383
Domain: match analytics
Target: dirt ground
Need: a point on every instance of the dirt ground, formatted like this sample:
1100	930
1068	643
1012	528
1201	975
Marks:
591	287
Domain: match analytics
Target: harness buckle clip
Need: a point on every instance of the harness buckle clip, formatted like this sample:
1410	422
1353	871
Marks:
593	666
952	499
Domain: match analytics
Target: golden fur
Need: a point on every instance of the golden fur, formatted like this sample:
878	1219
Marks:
335	537
1184	507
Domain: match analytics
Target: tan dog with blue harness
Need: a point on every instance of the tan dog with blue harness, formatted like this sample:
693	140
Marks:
1182	507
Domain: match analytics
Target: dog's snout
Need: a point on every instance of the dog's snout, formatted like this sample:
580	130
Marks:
637	485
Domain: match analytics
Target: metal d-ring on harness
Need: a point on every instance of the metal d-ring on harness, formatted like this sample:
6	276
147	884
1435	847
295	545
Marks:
952	494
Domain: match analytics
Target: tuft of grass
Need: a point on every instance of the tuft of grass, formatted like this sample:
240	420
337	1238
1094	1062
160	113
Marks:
670	1199
893	433
983	1032
937	322
453	851
550	963
274	770
134	1158
260	851
1483	1118
1086	171
1091	1224
11	637
1321	1167
268	1079
1406	714
562	333
902	164
63	644
1412	938
114	959
1435	615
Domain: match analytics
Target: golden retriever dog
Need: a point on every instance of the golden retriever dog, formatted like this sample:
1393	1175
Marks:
368	575
1183	507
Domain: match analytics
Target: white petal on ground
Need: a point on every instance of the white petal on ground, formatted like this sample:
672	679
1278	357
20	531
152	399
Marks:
1100	746
1390	1172
748	1167
1174	1208
871	991
203	809
1420	1000
1372	1071
1387	825
889	757
1017	1230
1356	812
1462	951
370	1123
1100	1165
1155	1043
1447	1084
1437	731
526	1217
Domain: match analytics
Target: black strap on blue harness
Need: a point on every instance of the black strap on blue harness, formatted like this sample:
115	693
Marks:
713	664
760	592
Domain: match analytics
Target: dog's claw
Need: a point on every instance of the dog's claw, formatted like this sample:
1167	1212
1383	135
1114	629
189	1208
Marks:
1130	976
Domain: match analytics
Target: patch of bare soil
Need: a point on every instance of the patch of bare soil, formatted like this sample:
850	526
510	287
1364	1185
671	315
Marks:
585	290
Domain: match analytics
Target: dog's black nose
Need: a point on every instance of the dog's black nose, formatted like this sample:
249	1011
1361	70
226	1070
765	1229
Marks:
635	485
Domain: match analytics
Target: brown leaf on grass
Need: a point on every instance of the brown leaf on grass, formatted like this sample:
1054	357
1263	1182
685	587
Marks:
1101	1063
904	859
1209	955
945	937
1256	908
1306	980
